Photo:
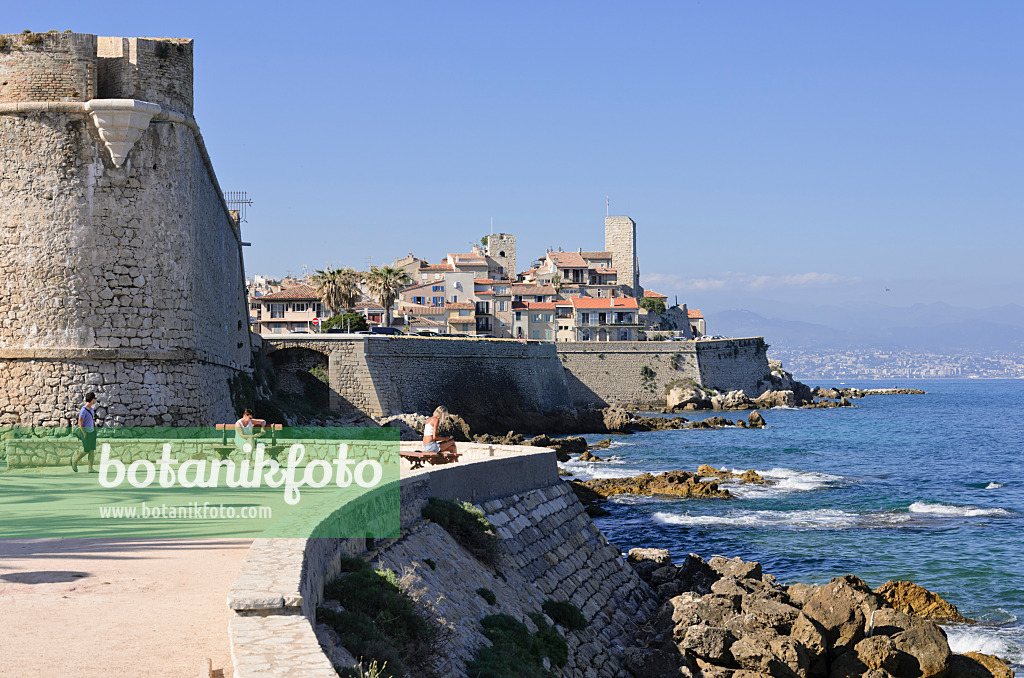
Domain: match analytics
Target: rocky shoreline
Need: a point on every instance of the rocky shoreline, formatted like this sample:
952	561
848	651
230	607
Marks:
725	618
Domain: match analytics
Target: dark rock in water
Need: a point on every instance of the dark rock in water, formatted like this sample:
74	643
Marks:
755	420
616	420
924	652
586	495
978	665
602	444
671	483
510	438
639	423
710	422
595	511
587	456
563	447
565	474
917	601
894	391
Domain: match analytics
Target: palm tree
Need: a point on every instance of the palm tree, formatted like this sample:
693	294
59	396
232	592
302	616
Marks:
338	287
385	283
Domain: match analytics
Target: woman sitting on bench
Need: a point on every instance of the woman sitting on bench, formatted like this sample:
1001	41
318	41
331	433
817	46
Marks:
432	443
243	431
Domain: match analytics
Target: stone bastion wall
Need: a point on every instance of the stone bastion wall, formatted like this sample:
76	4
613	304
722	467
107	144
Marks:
121	278
392	375
549	548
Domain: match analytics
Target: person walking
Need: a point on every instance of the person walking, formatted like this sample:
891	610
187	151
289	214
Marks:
87	431
432	443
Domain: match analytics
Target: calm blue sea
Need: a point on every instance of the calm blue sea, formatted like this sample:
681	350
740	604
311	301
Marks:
923	488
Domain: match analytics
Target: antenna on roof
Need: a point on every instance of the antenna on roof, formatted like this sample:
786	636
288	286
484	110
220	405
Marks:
607	206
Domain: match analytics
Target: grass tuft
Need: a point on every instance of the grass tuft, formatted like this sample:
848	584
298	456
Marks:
467	525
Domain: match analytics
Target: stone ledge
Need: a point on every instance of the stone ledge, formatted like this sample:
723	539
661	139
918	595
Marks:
96	354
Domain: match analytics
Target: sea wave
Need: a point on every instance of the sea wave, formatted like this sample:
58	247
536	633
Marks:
993	486
785	481
610	467
1006	642
937	508
820	519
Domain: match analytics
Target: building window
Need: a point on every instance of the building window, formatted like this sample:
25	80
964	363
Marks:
437	301
463	312
277	311
501	306
455	298
584	318
536	334
424	276
437	276
300	307
585	335
547	335
437	288
623	335
519	315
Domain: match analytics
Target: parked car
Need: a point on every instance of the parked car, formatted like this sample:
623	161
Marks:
300	331
385	330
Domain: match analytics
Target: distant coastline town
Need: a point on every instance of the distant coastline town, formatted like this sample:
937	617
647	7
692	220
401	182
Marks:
850	363
574	295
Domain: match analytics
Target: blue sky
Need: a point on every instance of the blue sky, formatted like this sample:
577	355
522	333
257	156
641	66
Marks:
799	152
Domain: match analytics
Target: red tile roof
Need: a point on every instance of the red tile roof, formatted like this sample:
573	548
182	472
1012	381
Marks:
298	293
437	267
462	306
371	305
620	303
484	281
650	294
694	313
596	255
483	292
567	259
606	271
541	305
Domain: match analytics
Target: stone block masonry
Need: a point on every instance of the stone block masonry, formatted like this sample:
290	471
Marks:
124	280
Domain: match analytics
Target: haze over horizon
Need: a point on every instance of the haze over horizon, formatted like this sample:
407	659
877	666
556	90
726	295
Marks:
773	157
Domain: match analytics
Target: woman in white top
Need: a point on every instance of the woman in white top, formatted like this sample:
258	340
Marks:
243	430
432	443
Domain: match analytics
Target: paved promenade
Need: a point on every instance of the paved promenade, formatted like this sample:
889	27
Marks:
95	607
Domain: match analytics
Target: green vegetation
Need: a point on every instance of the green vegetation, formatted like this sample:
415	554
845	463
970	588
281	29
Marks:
653	305
565	614
487	595
338	287
371	670
483	241
346	321
5	42
380	622
33	38
467	525
517	653
319	372
385	282
647	374
430	563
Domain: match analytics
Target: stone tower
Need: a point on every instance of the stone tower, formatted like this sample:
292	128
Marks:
620	240
502	248
121	264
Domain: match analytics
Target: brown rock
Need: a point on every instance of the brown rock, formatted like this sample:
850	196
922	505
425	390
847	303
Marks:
672	483
710	643
587	456
978	665
660	557
809	633
878	652
918	601
651	663
750	476
696	575
602	444
755	420
688	610
774	614
924	652
776	655
799	593
888	622
736	567
841	611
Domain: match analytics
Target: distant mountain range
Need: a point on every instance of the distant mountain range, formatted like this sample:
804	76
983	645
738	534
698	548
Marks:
936	328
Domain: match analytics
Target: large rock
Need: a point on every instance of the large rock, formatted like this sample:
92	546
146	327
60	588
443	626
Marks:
772	613
878	652
645	662
689	609
841	610
409	425
918	601
888	622
710	643
736	567
750	476
616	420
776	655
811	635
978	665
924	652
755	420
681	396
696	575
660	557
671	483
770	399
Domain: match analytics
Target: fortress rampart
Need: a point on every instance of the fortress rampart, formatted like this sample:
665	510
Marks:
391	375
122	265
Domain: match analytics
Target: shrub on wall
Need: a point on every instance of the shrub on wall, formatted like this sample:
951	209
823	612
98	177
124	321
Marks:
565	614
467	525
515	652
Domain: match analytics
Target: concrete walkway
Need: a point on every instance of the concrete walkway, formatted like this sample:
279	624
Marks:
98	607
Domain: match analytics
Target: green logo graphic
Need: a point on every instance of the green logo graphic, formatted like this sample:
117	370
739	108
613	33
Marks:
200	482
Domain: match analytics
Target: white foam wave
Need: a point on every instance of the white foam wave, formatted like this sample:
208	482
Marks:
1002	642
993	486
951	510
821	519
612	467
785	481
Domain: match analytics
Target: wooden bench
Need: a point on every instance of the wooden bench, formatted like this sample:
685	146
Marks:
419	458
225	450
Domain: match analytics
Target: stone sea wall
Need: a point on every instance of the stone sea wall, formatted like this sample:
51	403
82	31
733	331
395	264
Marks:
549	549
392	375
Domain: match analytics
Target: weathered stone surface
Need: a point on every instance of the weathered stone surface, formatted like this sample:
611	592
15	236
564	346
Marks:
710	643
696	575
750	476
772	613
671	483
918	601
755	420
658	556
840	610
643	662
924	652
811	636
978	665
736	567
878	652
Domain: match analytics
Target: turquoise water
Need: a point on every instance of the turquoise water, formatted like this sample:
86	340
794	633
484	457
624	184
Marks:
922	488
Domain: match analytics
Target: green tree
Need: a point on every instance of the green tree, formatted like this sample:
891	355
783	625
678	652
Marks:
385	283
483	241
653	304
338	287
344	321
557	282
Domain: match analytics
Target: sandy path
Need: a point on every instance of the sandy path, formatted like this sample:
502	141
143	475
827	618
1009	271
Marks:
98	607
